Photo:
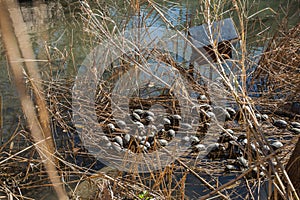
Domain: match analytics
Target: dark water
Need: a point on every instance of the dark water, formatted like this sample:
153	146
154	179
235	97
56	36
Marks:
57	25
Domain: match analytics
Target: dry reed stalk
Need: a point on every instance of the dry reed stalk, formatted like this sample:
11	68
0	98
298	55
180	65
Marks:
279	65
20	30
239	94
1	120
45	150
293	169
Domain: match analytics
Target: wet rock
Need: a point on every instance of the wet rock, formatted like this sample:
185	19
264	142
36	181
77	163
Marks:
194	140
152	128
177	117
163	142
221	114
230	131
295	130
295	124
256	172
104	138
231	168
121	124
264	117
142	148
258	116
186	126
199	147
231	112
185	139
206	107
108	144
211	115
144	138
213	147
243	162
149	113
280	123
142	132
266	148
116	147
127	138
225	137
140	125
149	119
160	126
166	121
244	142
171	133
138	111
152	134
276	145
215	150
138	138
254	150
147	144
203	97
241	137
111	127
119	140
136	117
161	133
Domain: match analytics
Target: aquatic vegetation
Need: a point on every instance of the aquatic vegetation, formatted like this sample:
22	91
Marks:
222	125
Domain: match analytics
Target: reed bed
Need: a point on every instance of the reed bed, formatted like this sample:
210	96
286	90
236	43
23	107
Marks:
23	175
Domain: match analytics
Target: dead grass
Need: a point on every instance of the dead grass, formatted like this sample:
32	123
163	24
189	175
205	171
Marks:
22	171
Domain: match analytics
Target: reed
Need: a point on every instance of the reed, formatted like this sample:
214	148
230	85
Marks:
38	123
77	166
